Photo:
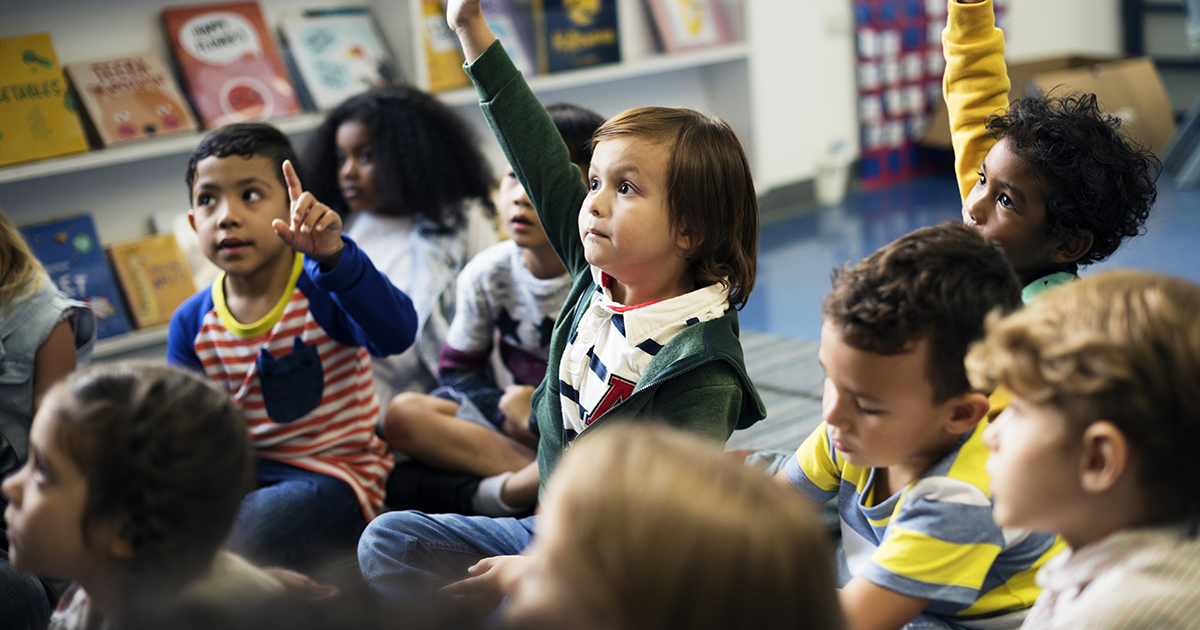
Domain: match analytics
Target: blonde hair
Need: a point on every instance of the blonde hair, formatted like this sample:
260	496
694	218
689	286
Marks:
20	271
663	530
1122	346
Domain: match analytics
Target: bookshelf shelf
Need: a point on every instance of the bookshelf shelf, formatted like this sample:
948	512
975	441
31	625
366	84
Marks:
177	145
129	342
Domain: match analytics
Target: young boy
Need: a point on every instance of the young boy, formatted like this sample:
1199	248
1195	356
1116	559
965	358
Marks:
513	290
660	244
1098	445
901	442
286	329
1052	181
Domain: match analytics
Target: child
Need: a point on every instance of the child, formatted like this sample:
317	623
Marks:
1098	446
622	522
134	476
286	329
43	335
408	176
515	288
661	247
1052	181
901	442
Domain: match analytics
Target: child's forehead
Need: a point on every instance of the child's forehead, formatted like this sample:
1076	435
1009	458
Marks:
877	374
230	169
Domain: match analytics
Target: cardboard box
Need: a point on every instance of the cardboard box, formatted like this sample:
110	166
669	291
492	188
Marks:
1129	89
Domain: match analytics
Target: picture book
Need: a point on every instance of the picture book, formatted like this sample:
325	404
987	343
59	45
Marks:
334	54
229	63
580	34
38	117
70	251
689	24
154	276
130	98
512	22
443	58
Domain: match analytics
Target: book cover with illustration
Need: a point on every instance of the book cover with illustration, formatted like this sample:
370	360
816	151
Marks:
70	251
229	63
334	54
154	275
580	33
512	22
443	57
38	117
130	98
689	24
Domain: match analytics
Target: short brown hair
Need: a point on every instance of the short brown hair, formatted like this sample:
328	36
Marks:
662	529
1122	346
710	192
936	283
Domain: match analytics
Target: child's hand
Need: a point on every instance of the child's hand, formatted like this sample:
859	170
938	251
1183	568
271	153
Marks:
492	579
516	407
466	20
316	230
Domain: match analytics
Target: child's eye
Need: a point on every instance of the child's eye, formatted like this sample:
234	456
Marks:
625	188
1005	200
341	159
204	200
867	412
594	184
252	195
982	178
365	157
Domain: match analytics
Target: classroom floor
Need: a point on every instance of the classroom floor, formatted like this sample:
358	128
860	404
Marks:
797	252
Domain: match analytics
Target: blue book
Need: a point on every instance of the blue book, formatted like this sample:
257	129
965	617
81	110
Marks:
580	34
70	251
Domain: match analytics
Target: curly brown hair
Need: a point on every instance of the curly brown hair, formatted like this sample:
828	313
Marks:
937	283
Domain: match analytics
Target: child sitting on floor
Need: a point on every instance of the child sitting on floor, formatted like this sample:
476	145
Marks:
1052	181
286	329
900	445
647	527
133	478
1098	444
660	244
470	428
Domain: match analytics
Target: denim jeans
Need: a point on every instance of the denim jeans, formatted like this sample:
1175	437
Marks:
407	556
296	516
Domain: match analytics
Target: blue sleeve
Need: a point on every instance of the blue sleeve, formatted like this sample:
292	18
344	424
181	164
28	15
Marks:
185	325
357	305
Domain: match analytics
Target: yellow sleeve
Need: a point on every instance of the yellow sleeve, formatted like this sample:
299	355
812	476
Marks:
817	461
975	84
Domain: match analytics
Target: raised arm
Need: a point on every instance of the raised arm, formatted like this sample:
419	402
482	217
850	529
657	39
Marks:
975	84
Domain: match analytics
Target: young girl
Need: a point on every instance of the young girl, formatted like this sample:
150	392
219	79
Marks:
133	479
660	244
631	536
43	334
408	176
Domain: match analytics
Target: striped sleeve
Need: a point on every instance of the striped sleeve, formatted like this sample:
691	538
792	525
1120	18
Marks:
814	470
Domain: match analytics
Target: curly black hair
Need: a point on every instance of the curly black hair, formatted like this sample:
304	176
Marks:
1094	177
246	140
427	160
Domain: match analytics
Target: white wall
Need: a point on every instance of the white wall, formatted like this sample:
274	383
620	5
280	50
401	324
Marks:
1041	28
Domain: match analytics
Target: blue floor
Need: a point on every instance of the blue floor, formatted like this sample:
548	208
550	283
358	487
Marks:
796	254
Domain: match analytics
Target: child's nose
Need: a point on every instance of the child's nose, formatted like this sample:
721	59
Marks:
11	488
831	406
350	169
227	215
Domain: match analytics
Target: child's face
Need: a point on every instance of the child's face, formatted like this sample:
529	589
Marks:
520	219
1034	466
1007	207
879	409
356	165
624	222
234	201
47	498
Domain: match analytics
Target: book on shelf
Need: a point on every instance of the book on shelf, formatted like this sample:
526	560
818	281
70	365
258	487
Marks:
690	24
443	68
70	251
512	22
334	54
38	117
229	63
154	277
580	34
130	98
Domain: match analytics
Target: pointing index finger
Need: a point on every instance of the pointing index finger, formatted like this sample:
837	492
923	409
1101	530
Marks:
293	182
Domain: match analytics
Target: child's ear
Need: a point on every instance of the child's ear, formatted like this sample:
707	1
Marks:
1073	247
192	220
966	412
1105	457
111	535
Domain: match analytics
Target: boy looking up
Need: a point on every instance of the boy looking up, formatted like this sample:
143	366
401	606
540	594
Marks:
1098	445
1052	181
901	442
286	329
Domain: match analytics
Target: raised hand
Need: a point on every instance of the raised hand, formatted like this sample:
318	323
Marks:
466	20
315	230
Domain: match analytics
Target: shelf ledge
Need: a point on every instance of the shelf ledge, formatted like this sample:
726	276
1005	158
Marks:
129	342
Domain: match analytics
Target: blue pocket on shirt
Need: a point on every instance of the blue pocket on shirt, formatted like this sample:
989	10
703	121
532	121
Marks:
293	384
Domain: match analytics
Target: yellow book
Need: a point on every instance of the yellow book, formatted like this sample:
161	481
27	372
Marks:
38	117
443	56
154	276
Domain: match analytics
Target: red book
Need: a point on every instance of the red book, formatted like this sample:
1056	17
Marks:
229	63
